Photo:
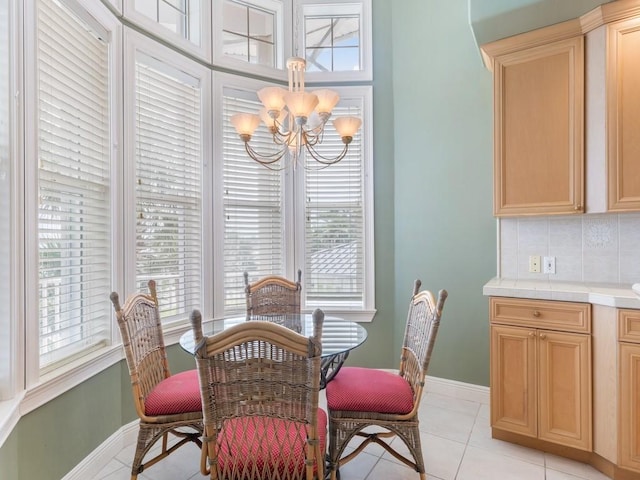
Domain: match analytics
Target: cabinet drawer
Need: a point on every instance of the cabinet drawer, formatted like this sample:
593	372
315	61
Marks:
629	326
553	315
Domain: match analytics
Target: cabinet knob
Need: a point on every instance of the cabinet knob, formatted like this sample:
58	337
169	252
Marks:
536	313
532	334
543	336
577	207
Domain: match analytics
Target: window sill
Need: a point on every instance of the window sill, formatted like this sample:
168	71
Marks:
9	416
65	378
360	316
53	385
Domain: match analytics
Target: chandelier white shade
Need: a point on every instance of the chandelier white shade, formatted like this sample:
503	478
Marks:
287	114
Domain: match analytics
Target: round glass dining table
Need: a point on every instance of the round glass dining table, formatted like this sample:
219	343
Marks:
339	336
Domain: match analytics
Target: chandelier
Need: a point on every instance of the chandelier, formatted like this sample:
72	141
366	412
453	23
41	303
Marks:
289	116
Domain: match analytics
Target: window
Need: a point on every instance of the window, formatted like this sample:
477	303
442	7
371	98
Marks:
168	132
317	220
254	238
332	44
74	185
335	39
184	23
252	35
334	224
248	33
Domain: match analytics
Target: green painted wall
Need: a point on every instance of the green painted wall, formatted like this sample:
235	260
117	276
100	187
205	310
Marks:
376	351
51	440
8	455
445	233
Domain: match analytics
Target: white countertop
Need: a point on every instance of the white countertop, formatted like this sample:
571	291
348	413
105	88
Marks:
607	294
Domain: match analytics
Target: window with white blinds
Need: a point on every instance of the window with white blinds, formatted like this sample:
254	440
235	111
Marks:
6	352
168	191
334	224
253	206
73	184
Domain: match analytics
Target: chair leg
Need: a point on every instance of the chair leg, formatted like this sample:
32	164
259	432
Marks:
339	437
148	435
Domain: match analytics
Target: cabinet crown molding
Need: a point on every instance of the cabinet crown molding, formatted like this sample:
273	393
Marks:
601	15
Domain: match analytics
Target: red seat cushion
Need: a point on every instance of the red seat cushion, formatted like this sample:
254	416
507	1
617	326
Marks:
359	389
180	393
281	446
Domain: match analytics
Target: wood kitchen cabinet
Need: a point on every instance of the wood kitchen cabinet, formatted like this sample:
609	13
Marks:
629	389
538	121
541	370
623	115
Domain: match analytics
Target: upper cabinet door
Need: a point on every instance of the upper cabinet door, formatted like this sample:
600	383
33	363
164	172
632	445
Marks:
538	130
623	110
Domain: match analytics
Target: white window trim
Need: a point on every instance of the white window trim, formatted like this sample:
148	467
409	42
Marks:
116	4
363	7
282	10
17	213
136	43
202	51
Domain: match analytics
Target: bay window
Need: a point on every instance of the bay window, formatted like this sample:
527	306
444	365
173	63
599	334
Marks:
128	169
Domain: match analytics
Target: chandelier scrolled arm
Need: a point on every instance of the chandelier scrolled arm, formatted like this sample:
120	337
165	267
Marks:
286	114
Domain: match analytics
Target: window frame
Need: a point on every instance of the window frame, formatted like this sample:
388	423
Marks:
364	96
202	50
40	387
283	38
304	8
293	192
137	43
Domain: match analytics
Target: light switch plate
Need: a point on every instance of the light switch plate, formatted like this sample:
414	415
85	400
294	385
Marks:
549	264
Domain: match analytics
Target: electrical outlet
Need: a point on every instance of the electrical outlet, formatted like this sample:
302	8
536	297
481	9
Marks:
549	265
534	263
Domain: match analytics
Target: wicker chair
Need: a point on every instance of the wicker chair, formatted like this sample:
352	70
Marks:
260	383
164	403
358	398
272	295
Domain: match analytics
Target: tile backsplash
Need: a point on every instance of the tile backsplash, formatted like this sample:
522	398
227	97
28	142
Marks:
603	248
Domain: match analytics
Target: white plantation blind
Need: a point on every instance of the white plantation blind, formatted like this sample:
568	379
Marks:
253	210
168	138
74	185
334	225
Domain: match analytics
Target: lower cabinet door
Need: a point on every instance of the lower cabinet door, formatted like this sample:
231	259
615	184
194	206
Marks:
513	379
564	389
629	420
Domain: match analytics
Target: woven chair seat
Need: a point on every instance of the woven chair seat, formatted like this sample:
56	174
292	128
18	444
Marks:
359	389
180	393
240	452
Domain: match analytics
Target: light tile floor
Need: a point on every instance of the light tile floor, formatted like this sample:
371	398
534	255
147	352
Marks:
456	441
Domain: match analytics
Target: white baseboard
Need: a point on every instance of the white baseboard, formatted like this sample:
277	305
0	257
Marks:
453	388
101	456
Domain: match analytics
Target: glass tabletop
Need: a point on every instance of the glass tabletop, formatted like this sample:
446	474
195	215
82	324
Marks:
339	336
